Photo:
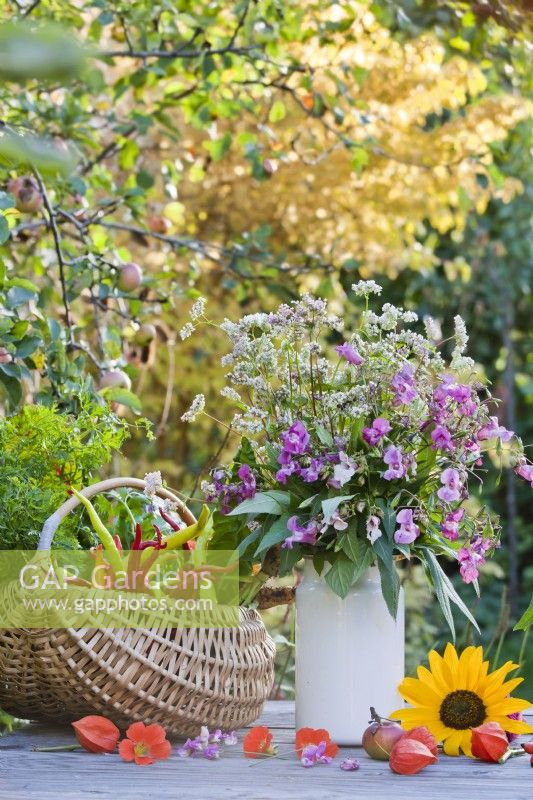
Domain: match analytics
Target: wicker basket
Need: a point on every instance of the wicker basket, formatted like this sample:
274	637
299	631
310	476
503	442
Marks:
182	679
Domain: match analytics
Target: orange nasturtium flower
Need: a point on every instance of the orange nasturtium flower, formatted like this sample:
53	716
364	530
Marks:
258	743
306	736
145	744
97	734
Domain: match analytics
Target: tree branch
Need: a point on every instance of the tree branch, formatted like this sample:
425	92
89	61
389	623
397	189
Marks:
59	253
184	54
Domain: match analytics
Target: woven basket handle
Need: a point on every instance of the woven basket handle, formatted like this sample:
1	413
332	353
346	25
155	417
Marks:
52	523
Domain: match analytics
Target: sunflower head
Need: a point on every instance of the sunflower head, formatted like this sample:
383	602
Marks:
459	693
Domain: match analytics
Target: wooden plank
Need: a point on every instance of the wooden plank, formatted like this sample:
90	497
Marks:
29	775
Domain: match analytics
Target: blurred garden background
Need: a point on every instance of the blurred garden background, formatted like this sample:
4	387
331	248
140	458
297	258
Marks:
247	152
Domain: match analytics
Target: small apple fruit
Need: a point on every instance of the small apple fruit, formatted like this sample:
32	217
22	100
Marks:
5	357
130	276
270	165
158	224
115	378
145	334
28	197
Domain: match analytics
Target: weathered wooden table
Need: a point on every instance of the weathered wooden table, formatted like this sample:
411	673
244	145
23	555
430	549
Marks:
29	775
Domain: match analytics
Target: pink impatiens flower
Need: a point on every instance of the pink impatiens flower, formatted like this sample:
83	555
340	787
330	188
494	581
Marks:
450	526
493	430
334	521
296	438
403	385
393	457
442	438
380	427
525	471
472	557
373	531
302	534
452	485
351	355
247	477
408	530
343	471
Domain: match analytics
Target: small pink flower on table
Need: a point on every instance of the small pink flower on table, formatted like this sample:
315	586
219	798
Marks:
349	764
315	754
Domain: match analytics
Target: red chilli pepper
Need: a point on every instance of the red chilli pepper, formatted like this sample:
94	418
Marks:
137	541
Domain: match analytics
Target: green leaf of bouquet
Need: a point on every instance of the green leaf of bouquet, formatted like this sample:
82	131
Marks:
389	517
319	560
277	533
289	559
526	619
440	591
390	584
324	435
330	505
272	502
248	540
308	501
432	561
246	453
340	577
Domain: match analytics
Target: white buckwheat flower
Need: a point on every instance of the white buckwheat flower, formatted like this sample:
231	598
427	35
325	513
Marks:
433	329
460	334
231	394
198	309
197	406
186	331
363	288
152	482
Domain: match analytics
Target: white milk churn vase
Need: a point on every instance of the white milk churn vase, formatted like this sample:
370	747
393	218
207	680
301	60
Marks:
349	655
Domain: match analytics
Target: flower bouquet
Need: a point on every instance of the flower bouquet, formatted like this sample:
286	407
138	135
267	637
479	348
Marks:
357	448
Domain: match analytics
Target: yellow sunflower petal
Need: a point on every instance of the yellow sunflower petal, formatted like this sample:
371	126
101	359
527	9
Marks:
503	690
512	725
418	693
499	675
418	713
439	731
452	661
471	668
441	672
510	705
426	677
466	743
452	743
